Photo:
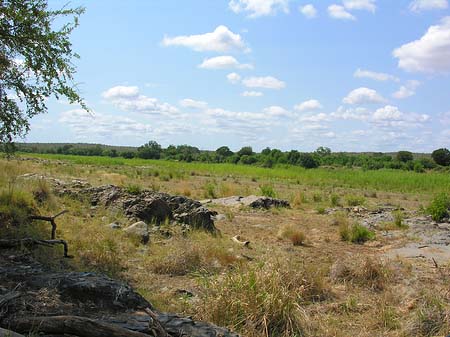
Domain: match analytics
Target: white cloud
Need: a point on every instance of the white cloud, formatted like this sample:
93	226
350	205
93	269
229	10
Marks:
276	111
267	82
320	117
252	94
339	12
423	5
362	96
129	99
220	40
391	116
308	10
234	78
360	73
429	54
121	91
343	113
407	90
223	62
309	105
368	5
102	126
193	104
259	8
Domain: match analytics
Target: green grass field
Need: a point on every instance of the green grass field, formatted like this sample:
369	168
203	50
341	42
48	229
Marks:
380	180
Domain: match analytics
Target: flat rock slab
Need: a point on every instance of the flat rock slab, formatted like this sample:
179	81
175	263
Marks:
252	201
440	253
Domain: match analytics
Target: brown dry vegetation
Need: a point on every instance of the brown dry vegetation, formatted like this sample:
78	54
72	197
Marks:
298	278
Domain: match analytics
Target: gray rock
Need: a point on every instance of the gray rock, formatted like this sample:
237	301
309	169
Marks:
114	225
138	229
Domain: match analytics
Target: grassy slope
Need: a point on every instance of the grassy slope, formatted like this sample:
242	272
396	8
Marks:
381	180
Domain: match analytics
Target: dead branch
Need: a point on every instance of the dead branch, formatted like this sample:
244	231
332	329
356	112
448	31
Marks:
30	242
50	219
8	297
9	333
72	325
237	239
156	326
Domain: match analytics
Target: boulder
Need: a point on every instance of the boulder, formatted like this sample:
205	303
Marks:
254	201
140	230
151	210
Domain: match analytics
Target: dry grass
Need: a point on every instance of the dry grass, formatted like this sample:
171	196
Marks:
364	271
293	234
264	300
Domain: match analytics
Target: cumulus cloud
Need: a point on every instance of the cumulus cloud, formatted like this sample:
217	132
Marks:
367	5
193	104
361	73
129	99
424	5
234	78
267	82
252	94
339	12
100	126
363	96
308	11
223	62
276	111
429	54
391	116
344	113
407	90
309	105
257	8
220	40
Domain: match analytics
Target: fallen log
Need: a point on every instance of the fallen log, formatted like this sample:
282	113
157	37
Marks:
30	242
9	333
50	219
72	325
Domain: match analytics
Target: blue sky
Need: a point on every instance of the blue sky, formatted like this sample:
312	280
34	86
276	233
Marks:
353	75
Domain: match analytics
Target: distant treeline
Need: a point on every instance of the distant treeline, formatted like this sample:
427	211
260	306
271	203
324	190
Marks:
404	160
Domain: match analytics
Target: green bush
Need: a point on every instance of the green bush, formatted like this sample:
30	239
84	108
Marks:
268	191
355	233
439	207
355	200
133	189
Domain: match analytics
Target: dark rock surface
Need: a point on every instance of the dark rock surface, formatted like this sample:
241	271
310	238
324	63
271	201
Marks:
149	206
252	201
43	292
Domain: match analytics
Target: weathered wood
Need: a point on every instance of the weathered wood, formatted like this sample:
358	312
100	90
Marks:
50	219
30	242
9	333
238	240
8	297
157	327
72	325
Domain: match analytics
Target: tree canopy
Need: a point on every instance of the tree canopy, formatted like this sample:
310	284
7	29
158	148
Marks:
35	62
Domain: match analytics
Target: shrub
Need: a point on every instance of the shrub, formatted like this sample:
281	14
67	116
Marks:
398	219
355	233
268	191
335	200
354	200
439	207
133	189
210	190
321	210
404	156
295	235
441	157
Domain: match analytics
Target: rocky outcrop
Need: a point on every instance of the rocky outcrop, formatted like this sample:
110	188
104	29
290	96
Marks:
252	201
42	293
148	206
